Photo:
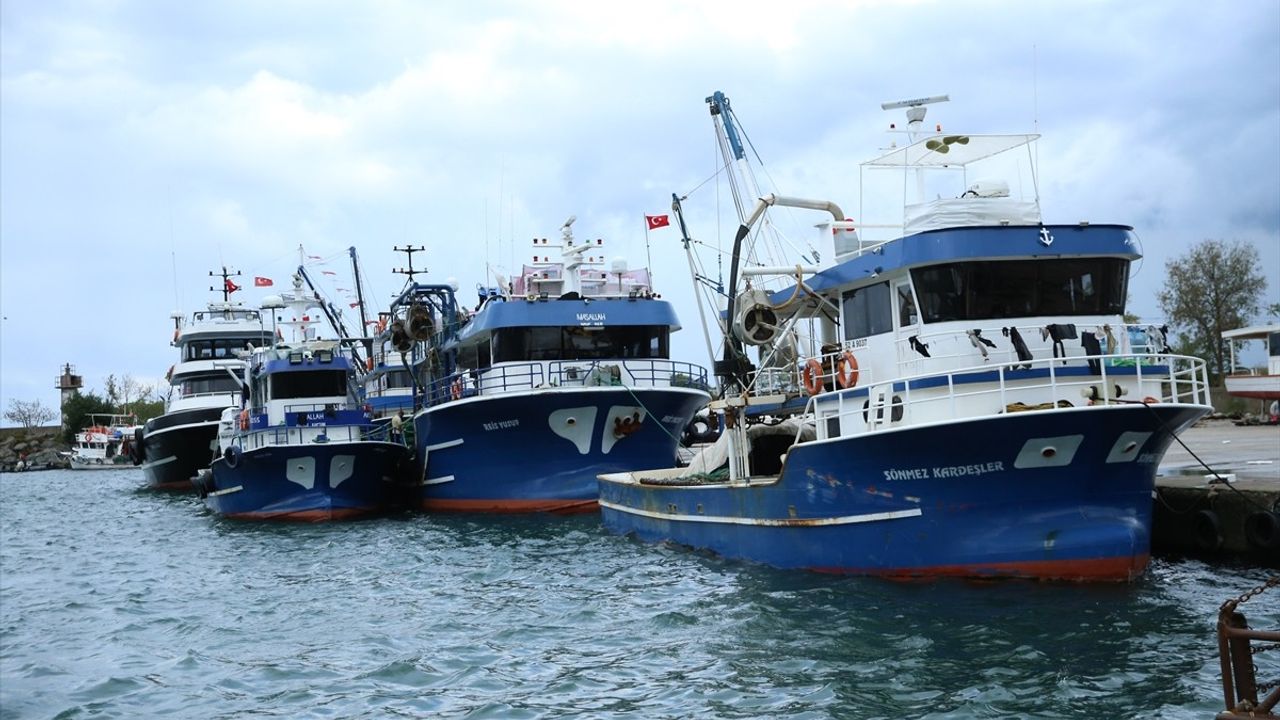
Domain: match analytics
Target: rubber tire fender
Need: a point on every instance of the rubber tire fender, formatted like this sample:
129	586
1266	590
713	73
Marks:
1208	530
1262	529
138	450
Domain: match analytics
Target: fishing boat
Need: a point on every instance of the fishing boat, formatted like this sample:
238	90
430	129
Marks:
560	374
1248	383
105	444
303	446
955	395
175	446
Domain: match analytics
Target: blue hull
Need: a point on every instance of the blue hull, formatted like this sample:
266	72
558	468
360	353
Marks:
542	451
314	482
1059	494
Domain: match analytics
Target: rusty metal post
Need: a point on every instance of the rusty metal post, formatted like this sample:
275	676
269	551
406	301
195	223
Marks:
1224	659
1241	659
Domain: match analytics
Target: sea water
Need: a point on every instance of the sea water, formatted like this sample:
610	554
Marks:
119	603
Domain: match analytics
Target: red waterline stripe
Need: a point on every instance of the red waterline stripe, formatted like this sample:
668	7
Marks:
1115	569
306	515
558	507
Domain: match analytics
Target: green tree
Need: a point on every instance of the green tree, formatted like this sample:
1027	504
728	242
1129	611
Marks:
77	410
1214	287
144	410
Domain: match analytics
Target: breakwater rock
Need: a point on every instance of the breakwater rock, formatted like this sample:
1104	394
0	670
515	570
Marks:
39	448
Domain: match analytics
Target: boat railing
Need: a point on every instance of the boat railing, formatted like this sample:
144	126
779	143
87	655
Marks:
518	377
998	343
318	434
790	380
342	422
658	372
318	407
1009	386
204	400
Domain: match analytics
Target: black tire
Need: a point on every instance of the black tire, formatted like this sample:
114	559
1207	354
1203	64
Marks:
232	456
137	451
1263	530
1208	530
203	482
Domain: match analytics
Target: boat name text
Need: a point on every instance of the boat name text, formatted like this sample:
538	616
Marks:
501	424
591	318
948	471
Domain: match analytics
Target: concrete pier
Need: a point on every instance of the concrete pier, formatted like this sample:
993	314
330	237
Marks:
1196	513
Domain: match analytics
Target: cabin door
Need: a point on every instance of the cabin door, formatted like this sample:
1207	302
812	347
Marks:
906	320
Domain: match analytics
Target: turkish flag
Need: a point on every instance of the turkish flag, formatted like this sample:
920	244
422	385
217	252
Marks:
657	221
262	282
229	286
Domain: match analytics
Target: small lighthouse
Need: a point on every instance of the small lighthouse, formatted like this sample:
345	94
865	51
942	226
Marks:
69	383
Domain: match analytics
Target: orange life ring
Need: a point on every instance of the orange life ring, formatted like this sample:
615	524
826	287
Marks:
812	377
847	370
244	419
455	390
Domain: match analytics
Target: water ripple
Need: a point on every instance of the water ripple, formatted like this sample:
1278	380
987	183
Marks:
119	604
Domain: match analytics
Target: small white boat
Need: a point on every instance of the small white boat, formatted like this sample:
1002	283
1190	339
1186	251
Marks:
1248	384
105	444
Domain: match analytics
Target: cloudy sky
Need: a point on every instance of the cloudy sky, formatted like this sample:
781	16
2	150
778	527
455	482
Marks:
143	144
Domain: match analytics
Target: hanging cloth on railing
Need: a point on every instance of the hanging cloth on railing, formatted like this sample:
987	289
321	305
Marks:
1158	339
1019	345
1113	348
1092	347
918	346
976	339
1059	332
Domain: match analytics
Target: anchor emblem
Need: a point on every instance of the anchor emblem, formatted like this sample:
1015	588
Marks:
624	426
1046	238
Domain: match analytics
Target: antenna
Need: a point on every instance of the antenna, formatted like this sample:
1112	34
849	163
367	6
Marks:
228	286
409	250
917	102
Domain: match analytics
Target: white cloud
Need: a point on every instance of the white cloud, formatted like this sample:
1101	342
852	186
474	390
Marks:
189	136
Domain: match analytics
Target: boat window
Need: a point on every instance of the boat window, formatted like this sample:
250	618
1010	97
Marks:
867	311
581	343
997	289
308	383
545	343
398	379
201	386
906	306
1273	342
223	348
